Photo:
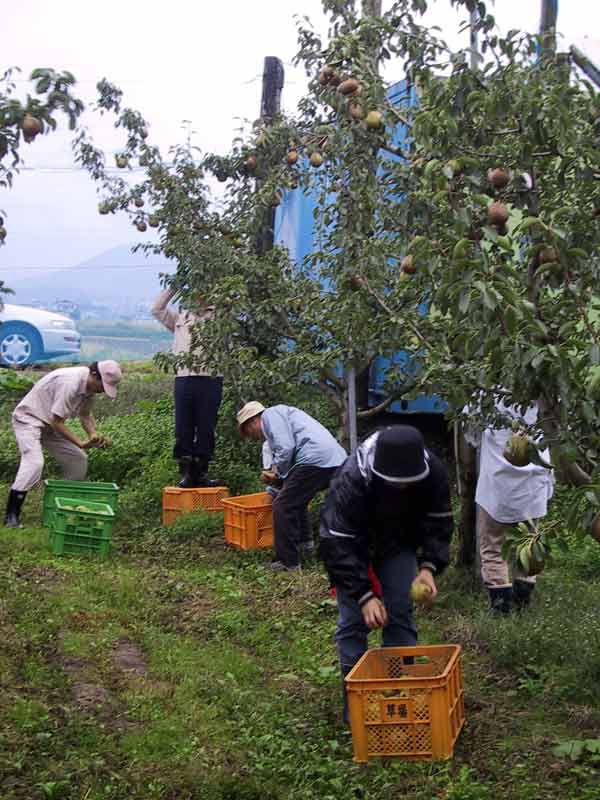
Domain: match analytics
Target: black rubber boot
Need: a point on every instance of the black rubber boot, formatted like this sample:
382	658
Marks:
186	472
522	591
345	710
12	518
501	600
200	477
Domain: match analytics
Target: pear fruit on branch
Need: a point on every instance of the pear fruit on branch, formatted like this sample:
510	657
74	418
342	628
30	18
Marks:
521	451
532	555
516	451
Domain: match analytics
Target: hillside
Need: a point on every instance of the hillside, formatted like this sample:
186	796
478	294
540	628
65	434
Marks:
116	278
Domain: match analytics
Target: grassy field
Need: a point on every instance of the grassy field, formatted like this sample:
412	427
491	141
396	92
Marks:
122	340
182	669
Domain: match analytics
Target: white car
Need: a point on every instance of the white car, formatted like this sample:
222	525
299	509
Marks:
29	334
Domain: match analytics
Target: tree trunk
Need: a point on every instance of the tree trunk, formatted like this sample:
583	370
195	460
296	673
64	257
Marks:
548	26
568	472
362	388
371	8
584	63
343	434
466	462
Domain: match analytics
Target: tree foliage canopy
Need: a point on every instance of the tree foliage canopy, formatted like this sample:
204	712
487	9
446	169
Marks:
489	210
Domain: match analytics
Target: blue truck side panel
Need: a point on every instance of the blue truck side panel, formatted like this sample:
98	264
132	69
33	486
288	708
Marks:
295	229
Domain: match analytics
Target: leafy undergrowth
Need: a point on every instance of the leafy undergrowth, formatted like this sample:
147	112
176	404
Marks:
181	669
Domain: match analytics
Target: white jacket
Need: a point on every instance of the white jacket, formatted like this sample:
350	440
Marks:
511	494
180	323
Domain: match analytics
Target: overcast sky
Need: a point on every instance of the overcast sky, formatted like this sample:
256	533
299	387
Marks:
175	61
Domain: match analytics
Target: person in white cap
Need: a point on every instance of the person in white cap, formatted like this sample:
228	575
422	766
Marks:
305	457
39	420
198	393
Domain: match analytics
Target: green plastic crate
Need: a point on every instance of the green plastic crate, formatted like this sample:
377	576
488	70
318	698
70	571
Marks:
75	532
85	490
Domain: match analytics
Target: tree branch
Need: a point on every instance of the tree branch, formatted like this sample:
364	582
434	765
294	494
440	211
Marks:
372	412
334	395
395	151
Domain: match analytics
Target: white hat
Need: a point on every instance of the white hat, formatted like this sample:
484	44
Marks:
251	409
111	374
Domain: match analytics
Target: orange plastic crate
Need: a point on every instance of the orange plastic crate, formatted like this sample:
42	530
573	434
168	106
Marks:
183	501
249	521
412	711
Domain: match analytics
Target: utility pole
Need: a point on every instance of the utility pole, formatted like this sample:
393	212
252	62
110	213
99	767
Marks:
270	107
370	8
474	40
272	86
548	27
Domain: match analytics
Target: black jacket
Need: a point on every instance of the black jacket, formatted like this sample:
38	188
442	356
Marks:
365	520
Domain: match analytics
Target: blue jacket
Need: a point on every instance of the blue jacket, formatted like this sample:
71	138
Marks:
296	439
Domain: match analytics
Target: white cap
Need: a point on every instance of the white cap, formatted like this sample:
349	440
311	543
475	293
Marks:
111	374
251	409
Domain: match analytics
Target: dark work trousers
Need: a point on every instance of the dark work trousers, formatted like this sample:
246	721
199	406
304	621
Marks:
304	524
290	509
396	575
197	401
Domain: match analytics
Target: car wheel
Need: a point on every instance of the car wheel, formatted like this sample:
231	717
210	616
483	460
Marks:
20	344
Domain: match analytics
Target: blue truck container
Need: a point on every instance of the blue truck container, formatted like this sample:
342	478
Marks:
295	229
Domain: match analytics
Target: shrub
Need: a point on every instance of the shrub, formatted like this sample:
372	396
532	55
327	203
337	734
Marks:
559	660
146	434
200	525
141	500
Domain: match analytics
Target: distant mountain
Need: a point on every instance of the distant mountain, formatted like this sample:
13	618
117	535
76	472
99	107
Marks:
116	278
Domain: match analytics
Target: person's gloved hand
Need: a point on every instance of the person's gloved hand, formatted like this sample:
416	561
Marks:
269	477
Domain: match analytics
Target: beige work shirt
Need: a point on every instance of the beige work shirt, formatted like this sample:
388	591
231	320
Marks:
180	323
62	393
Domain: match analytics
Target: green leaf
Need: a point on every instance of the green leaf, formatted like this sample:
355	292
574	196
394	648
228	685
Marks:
489	300
529	222
572	749
511	320
416	242
461	248
431	167
42	85
464	301
481	200
505	243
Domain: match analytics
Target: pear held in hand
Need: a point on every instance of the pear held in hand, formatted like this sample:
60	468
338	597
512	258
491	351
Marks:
420	592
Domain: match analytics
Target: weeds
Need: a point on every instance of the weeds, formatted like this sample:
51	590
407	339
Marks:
238	694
